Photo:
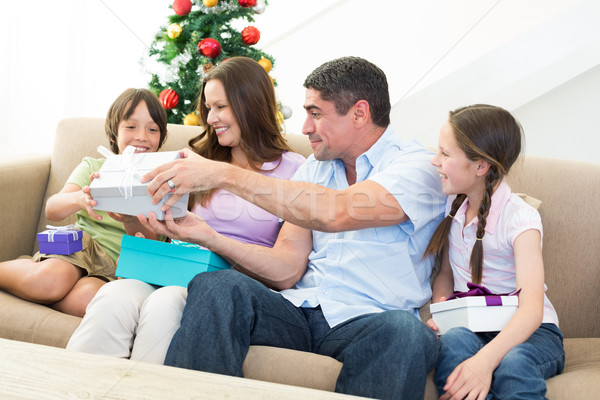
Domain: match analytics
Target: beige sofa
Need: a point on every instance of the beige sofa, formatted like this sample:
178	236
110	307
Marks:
569	192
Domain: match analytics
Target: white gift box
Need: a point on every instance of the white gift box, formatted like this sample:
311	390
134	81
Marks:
478	313
118	188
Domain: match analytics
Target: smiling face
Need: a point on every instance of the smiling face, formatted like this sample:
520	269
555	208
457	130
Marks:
327	131
220	115
458	173
139	130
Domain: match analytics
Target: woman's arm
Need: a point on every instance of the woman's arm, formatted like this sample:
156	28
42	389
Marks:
475	374
279	267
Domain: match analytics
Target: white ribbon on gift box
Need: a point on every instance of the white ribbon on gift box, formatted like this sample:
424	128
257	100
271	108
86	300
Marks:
128	166
65	228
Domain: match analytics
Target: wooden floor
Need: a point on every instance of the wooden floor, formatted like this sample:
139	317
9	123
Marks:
30	371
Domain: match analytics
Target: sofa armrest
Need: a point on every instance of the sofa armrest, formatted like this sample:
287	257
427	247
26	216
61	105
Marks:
23	184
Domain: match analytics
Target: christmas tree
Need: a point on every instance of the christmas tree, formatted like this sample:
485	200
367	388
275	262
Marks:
199	36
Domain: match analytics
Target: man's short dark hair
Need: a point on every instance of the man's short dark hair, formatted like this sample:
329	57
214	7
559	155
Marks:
347	80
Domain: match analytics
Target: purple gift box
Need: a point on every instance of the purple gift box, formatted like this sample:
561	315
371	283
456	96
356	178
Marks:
60	240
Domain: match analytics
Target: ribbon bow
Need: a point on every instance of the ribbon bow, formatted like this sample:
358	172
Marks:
491	299
128	166
67	228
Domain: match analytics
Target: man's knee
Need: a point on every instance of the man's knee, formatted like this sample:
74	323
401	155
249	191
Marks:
224	280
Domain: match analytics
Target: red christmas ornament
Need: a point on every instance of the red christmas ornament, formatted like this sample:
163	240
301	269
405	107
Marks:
169	98
182	7
209	47
247	3
250	35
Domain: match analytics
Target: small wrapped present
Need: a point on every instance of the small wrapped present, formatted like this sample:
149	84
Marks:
477	309
164	264
60	240
118	188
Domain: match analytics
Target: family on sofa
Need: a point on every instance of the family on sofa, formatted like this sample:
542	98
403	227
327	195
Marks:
364	219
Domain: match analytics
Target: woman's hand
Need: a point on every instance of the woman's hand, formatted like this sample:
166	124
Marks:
191	228
470	380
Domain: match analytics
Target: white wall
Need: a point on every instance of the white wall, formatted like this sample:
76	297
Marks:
565	122
72	58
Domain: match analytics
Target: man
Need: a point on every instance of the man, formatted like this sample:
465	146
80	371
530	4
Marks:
347	262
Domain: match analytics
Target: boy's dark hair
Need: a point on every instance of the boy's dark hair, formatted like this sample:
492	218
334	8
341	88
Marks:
347	80
125	105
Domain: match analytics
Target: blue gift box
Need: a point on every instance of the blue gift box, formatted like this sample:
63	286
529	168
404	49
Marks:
60	240
164	264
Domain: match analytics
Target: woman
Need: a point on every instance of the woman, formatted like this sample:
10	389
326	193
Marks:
132	319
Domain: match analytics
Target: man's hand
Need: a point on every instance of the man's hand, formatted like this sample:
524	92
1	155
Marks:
191	173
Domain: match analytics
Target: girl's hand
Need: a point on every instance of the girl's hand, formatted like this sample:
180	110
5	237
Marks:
430	322
470	380
432	325
87	201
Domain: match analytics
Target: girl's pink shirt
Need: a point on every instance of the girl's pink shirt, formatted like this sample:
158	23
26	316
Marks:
509	216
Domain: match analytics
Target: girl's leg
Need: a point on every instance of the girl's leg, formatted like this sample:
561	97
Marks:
77	300
457	345
160	318
111	320
44	282
522	373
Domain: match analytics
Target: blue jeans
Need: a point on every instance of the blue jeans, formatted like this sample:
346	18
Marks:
521	374
385	355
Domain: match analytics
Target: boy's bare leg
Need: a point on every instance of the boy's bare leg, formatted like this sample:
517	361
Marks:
77	300
44	282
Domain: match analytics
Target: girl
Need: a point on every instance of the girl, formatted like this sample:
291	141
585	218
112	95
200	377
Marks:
132	319
493	238
68	282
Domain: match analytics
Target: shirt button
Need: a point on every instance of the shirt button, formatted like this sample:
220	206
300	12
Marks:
324	291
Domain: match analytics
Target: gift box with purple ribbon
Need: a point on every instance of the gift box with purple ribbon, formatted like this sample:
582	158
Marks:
60	240
477	309
119	189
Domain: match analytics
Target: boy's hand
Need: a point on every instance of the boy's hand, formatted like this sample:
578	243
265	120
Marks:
123	218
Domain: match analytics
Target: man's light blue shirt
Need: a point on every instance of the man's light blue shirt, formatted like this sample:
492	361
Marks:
376	269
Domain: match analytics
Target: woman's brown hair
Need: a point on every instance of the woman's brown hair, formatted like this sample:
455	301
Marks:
122	108
486	133
251	96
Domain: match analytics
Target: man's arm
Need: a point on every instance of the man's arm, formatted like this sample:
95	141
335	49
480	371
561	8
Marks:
362	205
365	204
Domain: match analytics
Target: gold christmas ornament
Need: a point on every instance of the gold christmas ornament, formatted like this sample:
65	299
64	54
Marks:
279	117
191	119
266	64
207	67
173	31
210	3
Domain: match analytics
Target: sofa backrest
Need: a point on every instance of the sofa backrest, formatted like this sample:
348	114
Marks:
569	192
